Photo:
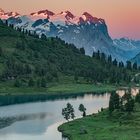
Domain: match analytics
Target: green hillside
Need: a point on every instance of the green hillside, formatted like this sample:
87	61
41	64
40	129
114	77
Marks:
29	62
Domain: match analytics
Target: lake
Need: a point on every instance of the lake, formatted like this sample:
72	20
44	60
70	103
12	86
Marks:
40	120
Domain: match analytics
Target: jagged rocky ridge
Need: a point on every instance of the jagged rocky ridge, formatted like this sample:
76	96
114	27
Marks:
84	31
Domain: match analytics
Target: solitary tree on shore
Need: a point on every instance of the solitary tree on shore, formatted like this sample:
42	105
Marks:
68	112
82	109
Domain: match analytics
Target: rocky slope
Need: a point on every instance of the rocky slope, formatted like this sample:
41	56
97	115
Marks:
84	31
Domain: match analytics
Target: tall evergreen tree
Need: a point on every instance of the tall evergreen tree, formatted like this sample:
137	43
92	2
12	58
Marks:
98	55
109	59
129	65
128	102
82	50
114	102
135	66
115	63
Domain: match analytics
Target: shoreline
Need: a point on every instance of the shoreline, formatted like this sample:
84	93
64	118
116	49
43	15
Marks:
102	126
18	98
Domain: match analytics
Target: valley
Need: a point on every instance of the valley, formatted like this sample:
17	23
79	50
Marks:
49	60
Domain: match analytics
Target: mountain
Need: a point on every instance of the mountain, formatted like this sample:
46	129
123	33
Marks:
27	59
136	59
83	31
130	47
6	15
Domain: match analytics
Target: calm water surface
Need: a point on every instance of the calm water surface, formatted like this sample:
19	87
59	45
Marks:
39	121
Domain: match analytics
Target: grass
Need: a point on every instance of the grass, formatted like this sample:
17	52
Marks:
103	127
55	89
65	86
80	88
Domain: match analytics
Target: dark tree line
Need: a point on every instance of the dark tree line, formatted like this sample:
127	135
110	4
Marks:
125	103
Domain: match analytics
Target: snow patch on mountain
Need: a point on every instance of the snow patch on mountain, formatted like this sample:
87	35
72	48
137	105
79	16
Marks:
83	31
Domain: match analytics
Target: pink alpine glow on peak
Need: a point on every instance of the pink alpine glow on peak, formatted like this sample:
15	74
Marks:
6	15
62	18
46	13
12	14
88	17
68	15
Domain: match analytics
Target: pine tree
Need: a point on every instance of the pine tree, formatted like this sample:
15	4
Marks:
82	50
129	65
103	57
114	102
135	67
93	54
98	55
128	102
115	63
109	59
111	104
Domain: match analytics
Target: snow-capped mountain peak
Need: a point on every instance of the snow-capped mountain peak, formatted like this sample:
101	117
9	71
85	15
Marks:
89	18
6	15
83	31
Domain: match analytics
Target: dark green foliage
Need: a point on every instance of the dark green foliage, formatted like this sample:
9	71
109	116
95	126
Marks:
109	59
38	83
129	65
1	51
17	83
31	82
43	37
82	50
128	102
68	112
114	102
20	45
26	56
103	57
97	56
43	82
115	63
121	64
137	99
135	66
76	76
82	109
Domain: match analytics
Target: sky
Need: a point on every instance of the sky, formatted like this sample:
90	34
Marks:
122	16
